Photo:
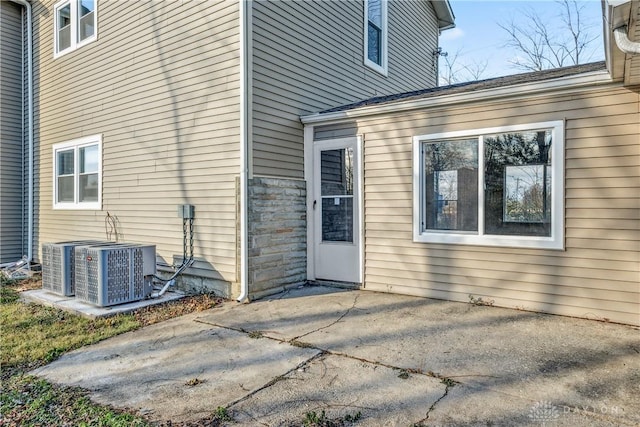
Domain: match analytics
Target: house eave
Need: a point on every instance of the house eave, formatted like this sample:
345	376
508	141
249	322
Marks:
444	14
621	25
562	84
615	14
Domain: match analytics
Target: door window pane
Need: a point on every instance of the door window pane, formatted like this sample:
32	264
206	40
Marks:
451	184
337	219
336	175
518	183
336	168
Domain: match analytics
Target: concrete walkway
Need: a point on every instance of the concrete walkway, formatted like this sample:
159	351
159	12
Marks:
368	358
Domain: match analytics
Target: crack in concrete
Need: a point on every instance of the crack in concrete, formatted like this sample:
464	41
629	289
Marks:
294	342
433	406
447	381
276	379
355	301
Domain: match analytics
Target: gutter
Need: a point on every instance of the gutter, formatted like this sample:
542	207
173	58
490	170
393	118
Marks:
27	7
244	158
623	42
527	89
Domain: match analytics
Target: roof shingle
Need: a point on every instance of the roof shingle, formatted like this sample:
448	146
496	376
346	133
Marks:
505	81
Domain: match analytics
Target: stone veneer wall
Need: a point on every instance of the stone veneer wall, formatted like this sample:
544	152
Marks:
277	234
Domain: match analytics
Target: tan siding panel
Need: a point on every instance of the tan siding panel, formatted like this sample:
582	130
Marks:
301	65
161	85
597	275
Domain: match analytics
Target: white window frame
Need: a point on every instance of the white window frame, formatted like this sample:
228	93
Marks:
555	241
381	68
76	145
75	43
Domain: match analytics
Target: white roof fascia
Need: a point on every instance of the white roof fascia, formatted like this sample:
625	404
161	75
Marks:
562	84
444	13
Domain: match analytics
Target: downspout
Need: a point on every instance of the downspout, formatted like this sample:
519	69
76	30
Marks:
27	7
623	42
244	267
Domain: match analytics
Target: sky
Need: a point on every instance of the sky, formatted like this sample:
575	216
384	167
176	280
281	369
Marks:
477	38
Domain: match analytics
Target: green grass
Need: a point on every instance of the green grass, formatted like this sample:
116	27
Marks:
313	419
29	401
34	335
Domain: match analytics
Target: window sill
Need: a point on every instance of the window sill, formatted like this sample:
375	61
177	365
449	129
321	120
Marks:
75	47
528	242
93	206
375	67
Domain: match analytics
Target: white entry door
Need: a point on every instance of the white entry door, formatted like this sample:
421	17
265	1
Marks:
337	210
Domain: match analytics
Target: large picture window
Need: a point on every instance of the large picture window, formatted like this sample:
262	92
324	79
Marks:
75	24
499	186
375	35
77	171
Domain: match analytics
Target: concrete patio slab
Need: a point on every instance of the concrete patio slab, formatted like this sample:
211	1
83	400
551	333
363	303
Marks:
276	360
343	388
176	370
75	306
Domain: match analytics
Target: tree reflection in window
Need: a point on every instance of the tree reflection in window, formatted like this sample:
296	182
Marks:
525	196
518	183
451	181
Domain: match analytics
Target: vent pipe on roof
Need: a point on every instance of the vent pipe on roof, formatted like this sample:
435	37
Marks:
27	7
623	42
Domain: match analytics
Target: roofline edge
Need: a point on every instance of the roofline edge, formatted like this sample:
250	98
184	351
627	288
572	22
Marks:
595	78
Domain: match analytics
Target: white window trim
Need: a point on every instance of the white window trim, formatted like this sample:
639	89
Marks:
76	144
555	241
75	44
382	69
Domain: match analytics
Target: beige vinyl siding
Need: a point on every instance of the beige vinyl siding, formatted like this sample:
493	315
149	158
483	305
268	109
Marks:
161	84
308	56
11	133
597	276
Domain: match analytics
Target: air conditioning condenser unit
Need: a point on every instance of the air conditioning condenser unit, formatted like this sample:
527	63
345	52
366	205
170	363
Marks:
58	266
113	274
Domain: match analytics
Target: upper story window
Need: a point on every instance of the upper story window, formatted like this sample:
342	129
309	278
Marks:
496	187
375	35
77	171
75	24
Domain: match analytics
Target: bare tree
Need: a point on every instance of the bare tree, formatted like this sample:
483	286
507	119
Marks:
453	70
540	47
